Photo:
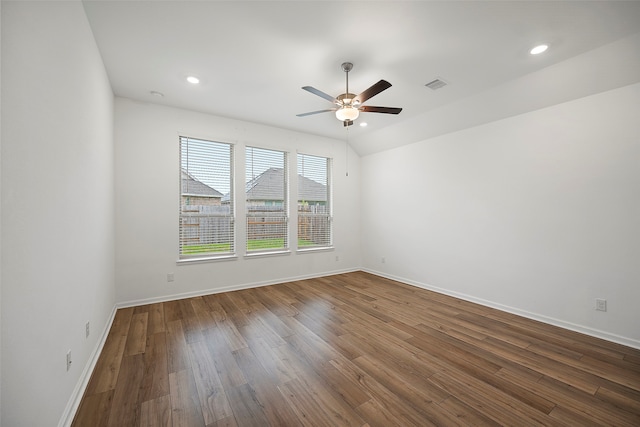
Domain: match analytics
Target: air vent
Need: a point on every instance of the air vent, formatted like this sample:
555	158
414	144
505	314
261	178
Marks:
436	84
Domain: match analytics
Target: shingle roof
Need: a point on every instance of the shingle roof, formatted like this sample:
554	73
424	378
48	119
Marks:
193	187
269	185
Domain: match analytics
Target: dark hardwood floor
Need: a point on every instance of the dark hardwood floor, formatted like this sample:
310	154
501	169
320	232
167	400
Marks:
353	349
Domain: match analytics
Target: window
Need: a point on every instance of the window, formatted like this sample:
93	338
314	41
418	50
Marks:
206	199
266	200
314	202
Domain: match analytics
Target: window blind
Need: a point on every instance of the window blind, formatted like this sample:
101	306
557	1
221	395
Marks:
206	198
266	200
314	202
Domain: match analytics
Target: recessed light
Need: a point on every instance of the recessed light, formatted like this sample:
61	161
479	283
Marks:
193	80
156	93
363	124
538	49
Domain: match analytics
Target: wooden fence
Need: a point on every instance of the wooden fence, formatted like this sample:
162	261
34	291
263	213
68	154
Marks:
202	224
266	222
314	225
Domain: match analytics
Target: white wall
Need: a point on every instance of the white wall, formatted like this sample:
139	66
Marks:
57	206
147	204
538	214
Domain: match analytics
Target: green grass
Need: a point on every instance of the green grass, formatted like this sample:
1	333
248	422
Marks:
258	244
252	245
207	248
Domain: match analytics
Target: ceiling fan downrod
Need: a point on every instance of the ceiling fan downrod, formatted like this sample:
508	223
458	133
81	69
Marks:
346	67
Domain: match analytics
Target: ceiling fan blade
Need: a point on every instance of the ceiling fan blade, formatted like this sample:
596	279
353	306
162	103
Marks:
320	93
315	112
372	91
386	110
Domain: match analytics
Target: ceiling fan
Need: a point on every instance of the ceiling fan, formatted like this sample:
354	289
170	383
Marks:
348	105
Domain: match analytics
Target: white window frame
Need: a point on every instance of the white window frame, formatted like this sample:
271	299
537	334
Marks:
226	217
252	174
325	217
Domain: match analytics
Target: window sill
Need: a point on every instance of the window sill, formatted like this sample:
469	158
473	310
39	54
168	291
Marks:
311	250
207	259
267	254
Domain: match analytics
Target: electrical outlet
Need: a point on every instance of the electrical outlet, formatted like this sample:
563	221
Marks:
383	260
337	258
87	330
601	304
68	360
169	277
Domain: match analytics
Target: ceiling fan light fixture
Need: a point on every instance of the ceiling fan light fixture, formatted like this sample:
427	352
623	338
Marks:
347	113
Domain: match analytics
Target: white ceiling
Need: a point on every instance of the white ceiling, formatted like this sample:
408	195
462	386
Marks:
254	57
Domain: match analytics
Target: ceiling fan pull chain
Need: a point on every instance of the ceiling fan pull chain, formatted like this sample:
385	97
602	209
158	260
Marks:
346	153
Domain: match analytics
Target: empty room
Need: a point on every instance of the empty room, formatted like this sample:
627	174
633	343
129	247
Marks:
319	213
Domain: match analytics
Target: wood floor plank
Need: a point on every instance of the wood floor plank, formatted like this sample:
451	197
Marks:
156	412
94	410
379	416
424	399
232	335
466	414
306	404
323	372
213	399
177	350
386	400
573	418
627	400
227	422
277	301
572	399
156	319
155	381
352	349
247	410
264	385
227	368
498	406
272	361
105	374
605	412
185	403
125	407
173	311
137	338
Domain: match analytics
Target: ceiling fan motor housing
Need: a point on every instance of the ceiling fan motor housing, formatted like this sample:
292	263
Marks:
347	96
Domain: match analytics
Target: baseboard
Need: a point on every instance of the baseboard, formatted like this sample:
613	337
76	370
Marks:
184	295
629	342
83	381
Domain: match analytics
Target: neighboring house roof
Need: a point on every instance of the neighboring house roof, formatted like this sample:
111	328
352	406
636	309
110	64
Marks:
194	188
269	185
